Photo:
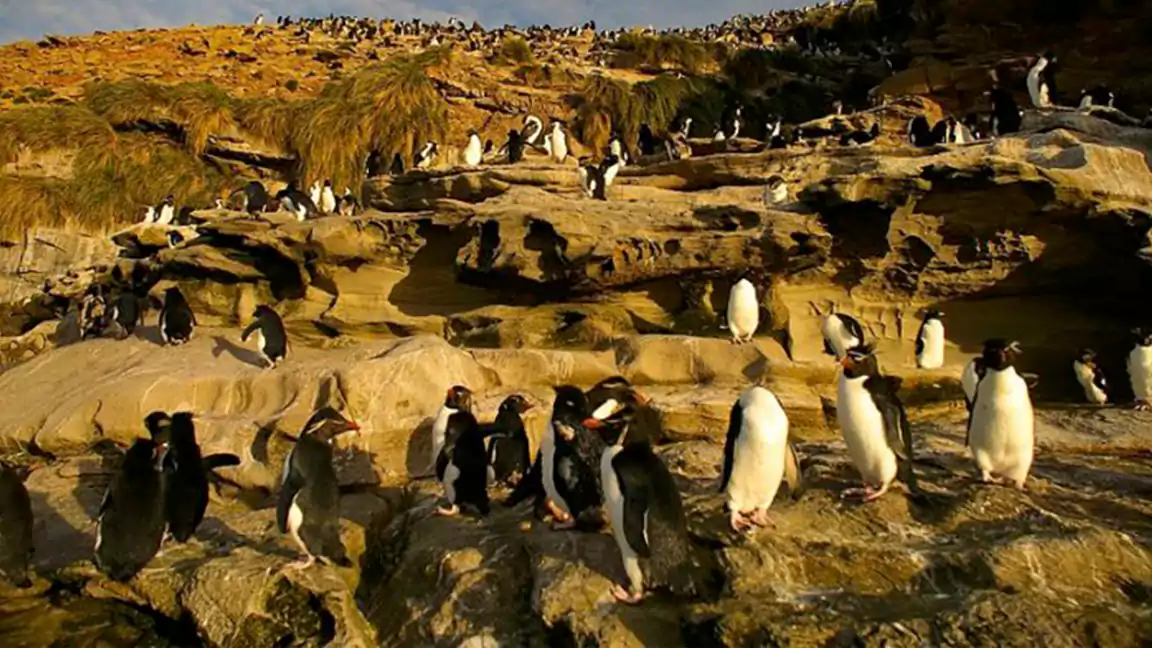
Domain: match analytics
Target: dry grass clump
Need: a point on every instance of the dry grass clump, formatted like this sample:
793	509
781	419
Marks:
514	50
547	76
667	50
197	109
609	104
43	128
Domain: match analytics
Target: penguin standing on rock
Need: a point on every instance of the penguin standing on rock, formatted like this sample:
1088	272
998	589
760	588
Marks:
841	332
397	167
309	504
775	191
327	198
1000	425
271	338
127	312
645	510
757	458
591	179
1038	81
930	341
1091	377
458	399
297	202
1140	368
15	527
131	519
425	156
559	141
474	150
743	311
166	211
509	457
532	130
616	147
177	321
186	472
1006	115
874	424
514	146
462	466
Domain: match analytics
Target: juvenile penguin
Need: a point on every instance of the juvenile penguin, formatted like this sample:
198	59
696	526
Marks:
1038	87
743	310
1091	377
515	147
127	312
177	321
426	156
254	196
757	458
1140	368
474	150
458	399
297	202
930	341
644	508
841	332
559	140
509	457
308	507
185	475
462	465
327	198
775	191
131	518
15	528
271	338
1000	425
874	424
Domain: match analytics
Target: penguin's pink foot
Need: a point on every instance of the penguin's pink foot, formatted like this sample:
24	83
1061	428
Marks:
739	522
876	494
624	596
301	565
451	511
564	523
1142	406
865	492
760	518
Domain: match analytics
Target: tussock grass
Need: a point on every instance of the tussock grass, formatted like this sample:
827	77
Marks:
547	76
270	120
635	50
610	104
44	128
514	51
198	109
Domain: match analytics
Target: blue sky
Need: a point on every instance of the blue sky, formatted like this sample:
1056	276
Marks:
31	19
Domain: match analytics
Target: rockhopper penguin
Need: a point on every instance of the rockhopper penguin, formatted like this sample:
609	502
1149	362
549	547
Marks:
757	458
1000	425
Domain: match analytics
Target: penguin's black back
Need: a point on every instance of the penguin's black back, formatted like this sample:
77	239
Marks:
310	480
257	196
176	317
132	515
272	328
515	147
470	458
15	527
508	452
577	471
127	311
185	484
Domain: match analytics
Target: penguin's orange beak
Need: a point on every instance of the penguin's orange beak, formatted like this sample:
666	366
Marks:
593	423
640	398
448	392
845	361
353	426
528	406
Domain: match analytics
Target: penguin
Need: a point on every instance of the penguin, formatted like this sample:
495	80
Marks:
15	528
757	458
718	135
972	123
684	127
591	180
644	508
646	142
939	133
185	474
425	156
515	146
930	341
348	205
532	129
177	321
772	132
1140	368
149	215
609	167
1039	83
743	310
297	202
315	192
730	127
841	332
1006	116
462	465
509	458
92	312
131	520
255	197
166	211
259	20
861	137
570	481
327	198
919	132
970	378
1091	377
397	168
175	239
616	148
308	507
474	151
271	338
775	191
559	140
1000	425
127	313
458	399
874	424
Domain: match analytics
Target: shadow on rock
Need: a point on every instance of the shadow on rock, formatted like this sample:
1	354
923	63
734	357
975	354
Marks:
247	356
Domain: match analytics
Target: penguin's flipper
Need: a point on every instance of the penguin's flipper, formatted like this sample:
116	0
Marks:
220	460
920	342
531	484
735	422
292	483
883	392
792	474
250	330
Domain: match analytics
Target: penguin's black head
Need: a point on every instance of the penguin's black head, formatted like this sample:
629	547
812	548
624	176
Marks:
1142	336
615	429
146	454
328	183
568	411
933	314
513	134
516	404
327	423
459	397
1051	56
169	199
775	181
183	428
999	354
860	361
263	311
157	424
1088	357
610	160
875	130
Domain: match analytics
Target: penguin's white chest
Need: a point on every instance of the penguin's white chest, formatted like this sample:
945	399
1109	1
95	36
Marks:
968	380
1001	430
548	456
614	502
1140	371
295	521
258	336
758	460
863	427
327	201
1086	376
473	152
776	195
743	310
451	474
931	355
440	430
